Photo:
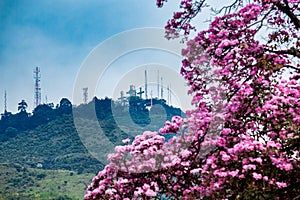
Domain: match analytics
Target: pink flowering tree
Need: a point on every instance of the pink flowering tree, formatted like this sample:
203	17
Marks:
241	141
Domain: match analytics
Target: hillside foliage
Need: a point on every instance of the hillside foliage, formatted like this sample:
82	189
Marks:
36	146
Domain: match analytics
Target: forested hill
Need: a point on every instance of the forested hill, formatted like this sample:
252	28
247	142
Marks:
47	137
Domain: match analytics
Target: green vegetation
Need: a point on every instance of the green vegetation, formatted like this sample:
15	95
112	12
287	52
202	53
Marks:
18	182
43	156
55	145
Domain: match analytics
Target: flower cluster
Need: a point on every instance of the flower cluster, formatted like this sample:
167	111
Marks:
172	127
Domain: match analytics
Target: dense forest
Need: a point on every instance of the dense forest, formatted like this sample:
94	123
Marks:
47	139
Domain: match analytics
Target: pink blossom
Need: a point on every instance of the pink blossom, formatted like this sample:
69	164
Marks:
265	178
259	160
249	167
233	173
150	193
225	157
218	51
257	176
281	184
287	166
226	131
127	140
216	185
271	144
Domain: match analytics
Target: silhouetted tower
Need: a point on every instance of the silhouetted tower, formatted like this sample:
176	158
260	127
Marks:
158	84
85	94
146	85
170	93
5	102
168	89
122	98
161	88
151	103
37	87
140	92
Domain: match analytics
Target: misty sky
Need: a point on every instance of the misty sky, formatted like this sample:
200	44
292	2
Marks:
58	35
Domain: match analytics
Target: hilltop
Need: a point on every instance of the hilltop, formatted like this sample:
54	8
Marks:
47	141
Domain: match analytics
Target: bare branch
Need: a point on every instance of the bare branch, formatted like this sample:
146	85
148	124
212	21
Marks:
292	51
287	10
226	9
292	67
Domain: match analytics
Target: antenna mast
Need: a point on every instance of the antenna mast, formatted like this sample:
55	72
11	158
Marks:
157	84
122	98
161	88
37	87
151	104
5	102
85	95
170	95
146	85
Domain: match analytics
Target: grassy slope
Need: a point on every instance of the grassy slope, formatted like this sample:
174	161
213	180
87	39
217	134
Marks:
18	182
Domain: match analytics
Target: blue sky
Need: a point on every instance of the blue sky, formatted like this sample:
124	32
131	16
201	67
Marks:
57	36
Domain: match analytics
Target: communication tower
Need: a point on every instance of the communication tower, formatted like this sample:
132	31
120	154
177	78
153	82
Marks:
85	95
122	99
151	103
169	95
161	88
157	84
5	102
146	85
37	86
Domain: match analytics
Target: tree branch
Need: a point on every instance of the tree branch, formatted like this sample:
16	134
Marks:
227	9
287	10
292	67
292	51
